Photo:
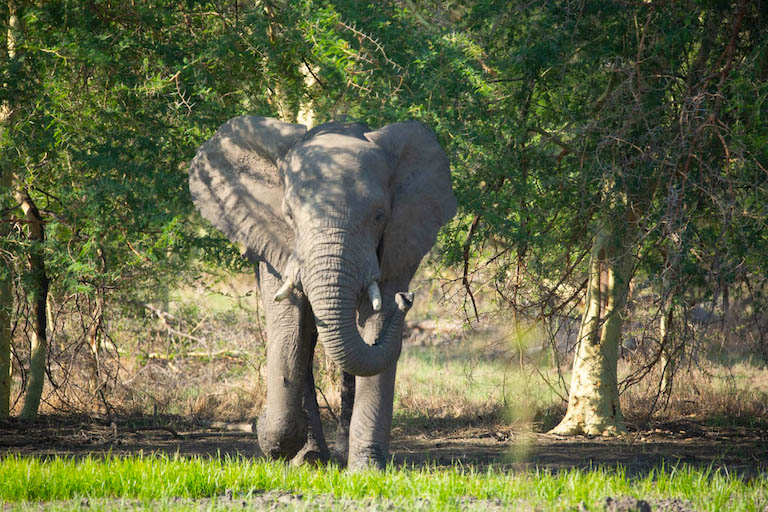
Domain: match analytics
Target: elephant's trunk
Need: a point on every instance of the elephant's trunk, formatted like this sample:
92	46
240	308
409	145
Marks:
334	288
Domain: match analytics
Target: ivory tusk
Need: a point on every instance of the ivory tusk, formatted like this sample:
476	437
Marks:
285	290
375	296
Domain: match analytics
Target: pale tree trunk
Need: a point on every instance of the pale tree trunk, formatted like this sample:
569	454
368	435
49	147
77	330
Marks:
302	112
290	110
35	258
307	114
39	293
666	358
730	318
593	402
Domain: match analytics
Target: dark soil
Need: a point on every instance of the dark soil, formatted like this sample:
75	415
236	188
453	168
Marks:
743	451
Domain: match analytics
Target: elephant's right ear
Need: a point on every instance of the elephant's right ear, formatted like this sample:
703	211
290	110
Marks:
235	184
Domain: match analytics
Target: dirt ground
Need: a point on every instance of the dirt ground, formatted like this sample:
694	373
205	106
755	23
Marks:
742	451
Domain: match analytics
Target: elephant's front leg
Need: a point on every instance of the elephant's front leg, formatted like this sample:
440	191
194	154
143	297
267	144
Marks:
370	430
316	448
371	425
282	426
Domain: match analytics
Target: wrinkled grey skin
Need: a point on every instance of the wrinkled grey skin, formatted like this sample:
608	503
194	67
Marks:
331	210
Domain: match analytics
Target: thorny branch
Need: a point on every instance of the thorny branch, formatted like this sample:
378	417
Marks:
378	46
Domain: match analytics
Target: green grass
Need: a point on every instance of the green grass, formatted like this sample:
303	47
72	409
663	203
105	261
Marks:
148	478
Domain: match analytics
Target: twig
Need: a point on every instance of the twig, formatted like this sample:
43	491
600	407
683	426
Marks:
163	316
309	68
14	220
612	81
232	427
236	354
132	248
327	405
552	138
729	53
171	431
465	275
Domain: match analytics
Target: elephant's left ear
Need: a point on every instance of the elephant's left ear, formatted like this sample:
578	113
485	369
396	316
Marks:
235	182
422	199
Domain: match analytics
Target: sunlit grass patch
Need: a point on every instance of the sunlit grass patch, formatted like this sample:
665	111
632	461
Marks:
482	378
467	382
162	477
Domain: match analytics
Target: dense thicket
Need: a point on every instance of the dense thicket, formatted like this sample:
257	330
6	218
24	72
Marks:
604	153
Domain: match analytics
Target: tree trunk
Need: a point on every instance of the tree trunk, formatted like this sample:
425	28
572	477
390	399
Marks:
6	310
593	402
39	294
94	331
290	109
667	359
6	275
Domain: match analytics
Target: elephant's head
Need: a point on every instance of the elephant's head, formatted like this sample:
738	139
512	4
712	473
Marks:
334	210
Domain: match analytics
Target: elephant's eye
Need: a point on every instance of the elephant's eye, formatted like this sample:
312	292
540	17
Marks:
288	215
380	217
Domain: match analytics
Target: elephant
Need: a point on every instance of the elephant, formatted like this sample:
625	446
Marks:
336	220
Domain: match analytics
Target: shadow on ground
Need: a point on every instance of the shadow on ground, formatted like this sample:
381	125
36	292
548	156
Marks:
741	450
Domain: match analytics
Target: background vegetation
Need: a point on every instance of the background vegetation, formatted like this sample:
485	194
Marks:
609	159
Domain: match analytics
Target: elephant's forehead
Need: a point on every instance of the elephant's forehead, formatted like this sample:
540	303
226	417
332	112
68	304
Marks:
336	164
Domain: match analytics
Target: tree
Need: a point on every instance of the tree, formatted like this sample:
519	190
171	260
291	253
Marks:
592	143
101	122
660	153
39	284
6	267
6	309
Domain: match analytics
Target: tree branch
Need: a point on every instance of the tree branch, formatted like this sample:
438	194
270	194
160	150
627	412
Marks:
552	138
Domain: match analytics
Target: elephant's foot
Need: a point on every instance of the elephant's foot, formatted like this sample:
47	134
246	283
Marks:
341	447
281	439
312	454
369	456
